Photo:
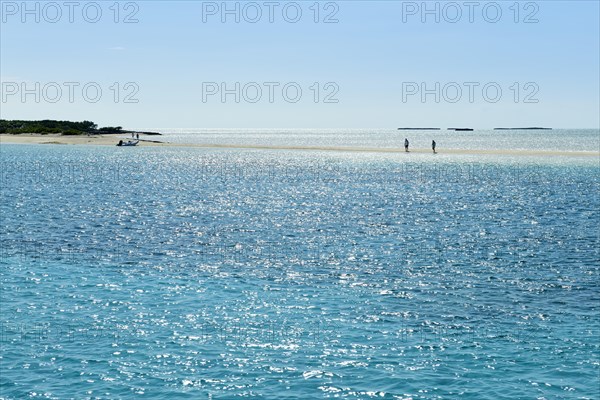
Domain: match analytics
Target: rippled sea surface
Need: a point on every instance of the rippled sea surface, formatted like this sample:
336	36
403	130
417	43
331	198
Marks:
201	273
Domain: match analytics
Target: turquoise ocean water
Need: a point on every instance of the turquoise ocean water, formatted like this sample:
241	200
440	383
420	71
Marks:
205	273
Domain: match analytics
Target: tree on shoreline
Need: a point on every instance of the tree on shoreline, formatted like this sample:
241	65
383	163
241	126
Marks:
47	126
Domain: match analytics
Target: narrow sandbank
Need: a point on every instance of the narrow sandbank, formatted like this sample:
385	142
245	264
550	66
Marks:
111	140
102	140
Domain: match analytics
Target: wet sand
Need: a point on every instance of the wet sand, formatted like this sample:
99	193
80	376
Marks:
111	140
102	140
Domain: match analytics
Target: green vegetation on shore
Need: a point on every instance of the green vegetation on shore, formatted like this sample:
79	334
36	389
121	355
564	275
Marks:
533	128
48	126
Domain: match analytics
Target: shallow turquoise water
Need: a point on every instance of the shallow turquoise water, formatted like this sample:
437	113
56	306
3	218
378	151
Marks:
556	140
191	273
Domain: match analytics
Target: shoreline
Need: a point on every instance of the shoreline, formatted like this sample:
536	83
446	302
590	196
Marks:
99	140
111	140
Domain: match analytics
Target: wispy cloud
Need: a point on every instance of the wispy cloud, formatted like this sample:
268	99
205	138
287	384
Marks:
117	48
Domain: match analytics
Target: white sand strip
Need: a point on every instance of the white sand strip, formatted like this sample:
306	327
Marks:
111	140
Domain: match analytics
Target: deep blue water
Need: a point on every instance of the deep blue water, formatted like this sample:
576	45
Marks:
198	273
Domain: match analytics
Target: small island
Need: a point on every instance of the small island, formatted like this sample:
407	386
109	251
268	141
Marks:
67	128
534	128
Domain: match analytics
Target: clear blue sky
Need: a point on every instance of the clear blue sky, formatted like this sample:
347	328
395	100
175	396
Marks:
373	55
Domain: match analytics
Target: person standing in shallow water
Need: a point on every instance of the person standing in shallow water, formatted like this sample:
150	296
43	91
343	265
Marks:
433	146
406	145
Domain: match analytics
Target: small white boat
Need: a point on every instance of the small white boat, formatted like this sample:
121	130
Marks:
128	143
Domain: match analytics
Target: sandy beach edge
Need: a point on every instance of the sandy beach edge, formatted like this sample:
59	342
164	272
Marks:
111	140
